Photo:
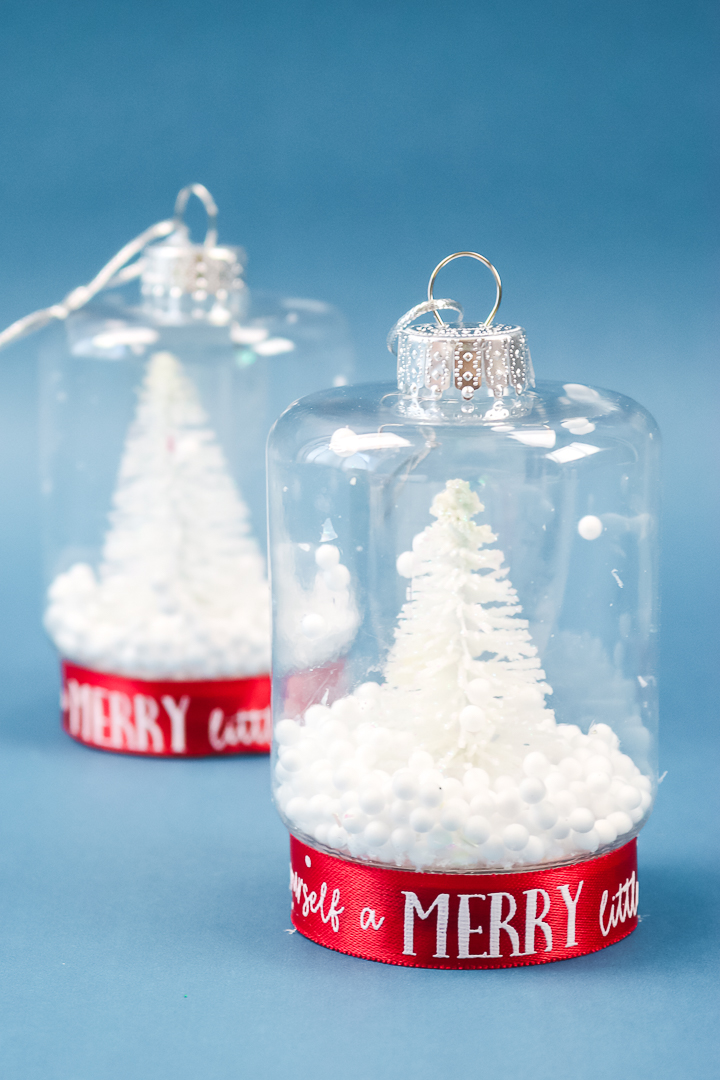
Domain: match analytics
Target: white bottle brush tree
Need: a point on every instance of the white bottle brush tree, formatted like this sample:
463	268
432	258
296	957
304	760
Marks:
181	590
463	661
455	759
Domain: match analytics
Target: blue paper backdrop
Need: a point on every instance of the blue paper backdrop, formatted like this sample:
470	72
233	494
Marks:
351	145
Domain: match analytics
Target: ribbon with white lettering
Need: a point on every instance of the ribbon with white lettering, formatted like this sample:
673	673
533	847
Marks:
166	719
457	921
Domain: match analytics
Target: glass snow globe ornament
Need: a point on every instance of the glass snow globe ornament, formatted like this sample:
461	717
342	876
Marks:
156	404
464	574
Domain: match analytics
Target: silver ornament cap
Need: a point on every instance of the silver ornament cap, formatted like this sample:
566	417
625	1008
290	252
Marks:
442	356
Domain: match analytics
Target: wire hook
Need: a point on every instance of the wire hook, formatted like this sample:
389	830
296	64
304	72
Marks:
202	193
485	262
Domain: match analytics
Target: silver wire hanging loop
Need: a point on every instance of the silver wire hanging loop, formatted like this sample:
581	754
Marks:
480	258
202	193
117	271
415	313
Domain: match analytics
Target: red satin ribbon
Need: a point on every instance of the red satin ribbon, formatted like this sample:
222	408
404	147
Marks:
464	920
166	719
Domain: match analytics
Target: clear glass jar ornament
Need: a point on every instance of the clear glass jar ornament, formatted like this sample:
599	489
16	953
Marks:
464	575
156	403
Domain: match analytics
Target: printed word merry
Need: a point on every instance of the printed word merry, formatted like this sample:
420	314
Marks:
120	721
503	908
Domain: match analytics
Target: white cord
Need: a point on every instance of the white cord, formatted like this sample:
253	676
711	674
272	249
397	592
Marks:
114	273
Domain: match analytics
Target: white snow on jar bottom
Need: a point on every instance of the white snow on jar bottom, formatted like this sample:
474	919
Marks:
121	627
368	791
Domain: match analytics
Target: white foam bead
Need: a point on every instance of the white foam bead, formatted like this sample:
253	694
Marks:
606	831
484	803
422	819
590	527
420	855
636	814
604	732
287	732
626	797
340	750
283	794
582	793
324	780
453	814
567	732
290	759
556	781
508	802
337	837
313	625
433	777
421	760
346	776
320	805
400	811
533	850
581	819
316	715
544	815
320	832
602	805
475	778
452	788
472	718
645	800
402	839
405	784
622	764
598	782
532	789
492	850
598	763
504	783
476	829
327	556
571	768
333	728
376	834
282	775
515	837
430	793
644	783
585	841
366	756
371	800
297	809
479	691
337	579
348	799
565	801
536	764
621	821
369	691
405	564
560	829
439	837
354	821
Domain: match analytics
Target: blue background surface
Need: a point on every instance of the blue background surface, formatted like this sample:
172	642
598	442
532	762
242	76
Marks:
351	145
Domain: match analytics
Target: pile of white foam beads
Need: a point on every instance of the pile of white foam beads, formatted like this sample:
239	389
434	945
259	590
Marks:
581	795
118	625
